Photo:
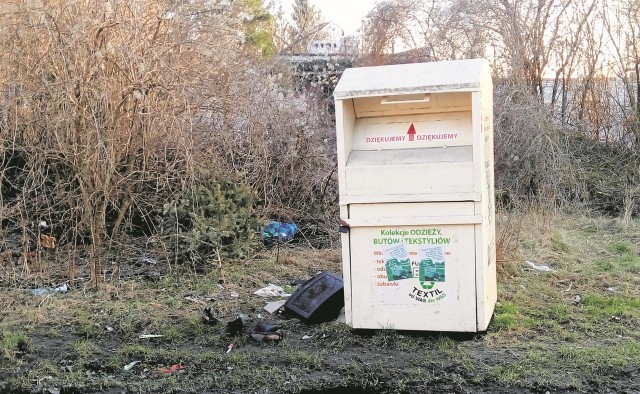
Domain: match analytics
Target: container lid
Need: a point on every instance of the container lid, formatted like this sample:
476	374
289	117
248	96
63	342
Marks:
400	79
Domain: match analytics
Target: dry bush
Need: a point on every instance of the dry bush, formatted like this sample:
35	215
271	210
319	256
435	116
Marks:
539	160
99	108
532	153
611	175
109	111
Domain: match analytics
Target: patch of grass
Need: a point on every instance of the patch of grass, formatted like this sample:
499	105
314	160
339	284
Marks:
128	319
570	336
620	258
513	373
504	322
385	338
238	359
86	323
559	245
597	359
507	308
620	247
54	332
127	353
453	351
558	312
304	359
170	281
85	348
630	262
338	336
14	343
197	327
506	317
174	302
208	284
155	356
43	369
44	373
545	364
408	343
134	352
446	344
605	266
172	333
599	306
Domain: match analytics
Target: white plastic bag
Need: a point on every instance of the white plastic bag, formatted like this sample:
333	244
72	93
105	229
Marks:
271	291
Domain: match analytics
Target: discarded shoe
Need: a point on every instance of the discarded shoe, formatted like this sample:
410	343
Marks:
265	332
266	336
208	317
266	327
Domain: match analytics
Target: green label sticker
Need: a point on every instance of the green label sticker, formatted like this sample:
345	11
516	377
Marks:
431	268
397	270
397	263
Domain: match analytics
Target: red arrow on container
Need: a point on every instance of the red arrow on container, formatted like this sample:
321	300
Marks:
411	132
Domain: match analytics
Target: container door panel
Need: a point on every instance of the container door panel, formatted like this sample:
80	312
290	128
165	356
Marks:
414	277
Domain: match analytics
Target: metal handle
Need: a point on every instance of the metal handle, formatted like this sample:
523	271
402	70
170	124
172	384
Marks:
424	99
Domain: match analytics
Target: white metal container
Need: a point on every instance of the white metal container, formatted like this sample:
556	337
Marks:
415	168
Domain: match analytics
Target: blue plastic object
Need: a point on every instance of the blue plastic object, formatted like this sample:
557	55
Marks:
278	232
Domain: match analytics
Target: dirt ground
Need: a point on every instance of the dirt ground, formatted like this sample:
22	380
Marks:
542	337
333	361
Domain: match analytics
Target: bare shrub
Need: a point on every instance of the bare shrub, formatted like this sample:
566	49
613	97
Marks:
110	111
532	153
538	160
100	111
288	161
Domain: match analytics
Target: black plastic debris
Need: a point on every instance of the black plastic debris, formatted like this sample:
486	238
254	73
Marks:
208	317
234	327
319	299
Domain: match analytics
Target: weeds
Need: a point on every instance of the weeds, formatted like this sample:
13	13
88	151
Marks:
304	359
506	317
14	343
385	338
84	348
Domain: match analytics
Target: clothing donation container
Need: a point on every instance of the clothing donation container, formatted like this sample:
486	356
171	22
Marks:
415	169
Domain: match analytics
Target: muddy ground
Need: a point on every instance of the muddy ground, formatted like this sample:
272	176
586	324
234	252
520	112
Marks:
369	362
542	338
